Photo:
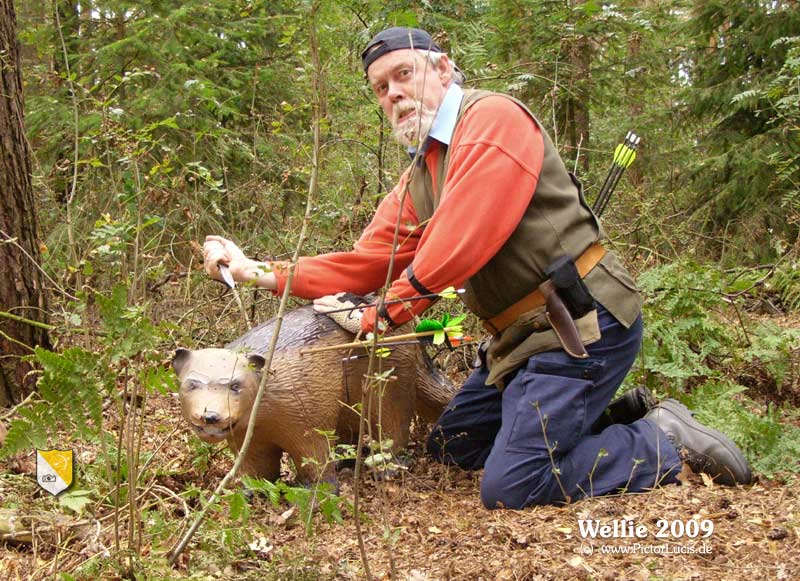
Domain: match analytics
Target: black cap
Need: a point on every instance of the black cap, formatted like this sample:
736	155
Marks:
396	38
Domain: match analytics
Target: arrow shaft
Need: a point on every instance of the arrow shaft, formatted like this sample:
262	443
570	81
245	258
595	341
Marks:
603	188
602	197
624	154
618	152
391	302
356	344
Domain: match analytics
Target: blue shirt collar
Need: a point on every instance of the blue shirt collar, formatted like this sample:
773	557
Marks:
444	124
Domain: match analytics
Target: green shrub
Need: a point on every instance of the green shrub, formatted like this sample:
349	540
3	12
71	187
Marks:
698	347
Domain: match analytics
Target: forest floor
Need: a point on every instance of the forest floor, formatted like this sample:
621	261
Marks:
425	523
439	529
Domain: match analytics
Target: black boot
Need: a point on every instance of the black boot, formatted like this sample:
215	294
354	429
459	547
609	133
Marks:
704	449
629	407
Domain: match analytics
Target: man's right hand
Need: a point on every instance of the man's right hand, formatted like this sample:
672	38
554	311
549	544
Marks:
218	250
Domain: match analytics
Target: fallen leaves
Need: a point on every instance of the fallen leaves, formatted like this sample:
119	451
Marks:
440	530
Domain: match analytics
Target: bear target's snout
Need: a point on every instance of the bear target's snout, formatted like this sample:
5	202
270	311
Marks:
211	418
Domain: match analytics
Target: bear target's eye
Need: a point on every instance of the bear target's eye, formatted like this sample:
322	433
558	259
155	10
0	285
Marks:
192	385
236	387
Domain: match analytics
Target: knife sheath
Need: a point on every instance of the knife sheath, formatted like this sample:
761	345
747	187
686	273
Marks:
561	321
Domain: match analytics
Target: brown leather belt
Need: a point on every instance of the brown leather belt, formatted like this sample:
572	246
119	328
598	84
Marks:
585	263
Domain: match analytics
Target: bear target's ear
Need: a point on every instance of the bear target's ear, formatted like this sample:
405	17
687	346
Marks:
256	361
180	359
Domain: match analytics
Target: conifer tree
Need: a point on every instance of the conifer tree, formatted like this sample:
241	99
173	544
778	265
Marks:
22	295
740	50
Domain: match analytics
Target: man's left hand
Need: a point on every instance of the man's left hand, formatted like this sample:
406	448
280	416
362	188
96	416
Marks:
349	319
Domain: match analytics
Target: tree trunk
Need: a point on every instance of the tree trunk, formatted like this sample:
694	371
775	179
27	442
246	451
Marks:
577	130
21	289
634	100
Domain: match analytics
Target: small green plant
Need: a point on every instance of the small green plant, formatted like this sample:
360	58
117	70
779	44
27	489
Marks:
70	390
771	446
773	349
785	282
321	495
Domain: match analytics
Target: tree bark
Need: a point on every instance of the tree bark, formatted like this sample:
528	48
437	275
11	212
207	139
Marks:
634	100
22	291
578	123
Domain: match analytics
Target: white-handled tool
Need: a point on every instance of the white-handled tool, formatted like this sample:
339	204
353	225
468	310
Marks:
226	275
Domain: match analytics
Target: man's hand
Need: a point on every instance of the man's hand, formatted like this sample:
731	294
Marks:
349	319
218	250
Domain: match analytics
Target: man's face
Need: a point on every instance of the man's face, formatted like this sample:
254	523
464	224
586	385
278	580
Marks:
409	90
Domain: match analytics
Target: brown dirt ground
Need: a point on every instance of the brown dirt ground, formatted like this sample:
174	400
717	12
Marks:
442	531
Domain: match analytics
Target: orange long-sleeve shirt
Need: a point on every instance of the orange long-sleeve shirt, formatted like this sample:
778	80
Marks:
496	154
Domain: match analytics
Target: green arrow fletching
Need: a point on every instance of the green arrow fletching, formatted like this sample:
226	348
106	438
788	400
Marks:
426	325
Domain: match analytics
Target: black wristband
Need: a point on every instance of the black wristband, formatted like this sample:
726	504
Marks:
418	286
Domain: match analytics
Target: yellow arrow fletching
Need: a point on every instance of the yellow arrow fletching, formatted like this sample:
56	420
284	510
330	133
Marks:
449	293
618	152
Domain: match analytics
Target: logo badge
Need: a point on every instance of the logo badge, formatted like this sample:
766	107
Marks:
54	470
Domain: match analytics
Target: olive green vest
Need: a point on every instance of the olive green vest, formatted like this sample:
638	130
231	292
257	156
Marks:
557	222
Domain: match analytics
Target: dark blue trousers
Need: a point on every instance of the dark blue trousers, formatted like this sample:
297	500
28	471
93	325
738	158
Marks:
534	437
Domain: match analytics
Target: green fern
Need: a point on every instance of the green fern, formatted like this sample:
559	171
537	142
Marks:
770	446
786	282
71	390
695	347
683	330
773	349
74	383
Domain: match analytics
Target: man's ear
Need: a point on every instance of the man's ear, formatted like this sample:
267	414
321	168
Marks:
180	359
256	361
445	70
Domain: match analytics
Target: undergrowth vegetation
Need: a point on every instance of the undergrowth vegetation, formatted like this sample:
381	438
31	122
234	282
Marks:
736	370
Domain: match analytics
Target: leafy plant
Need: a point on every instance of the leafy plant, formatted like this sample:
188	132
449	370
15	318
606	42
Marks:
71	388
321	495
786	283
697	347
770	446
683	329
